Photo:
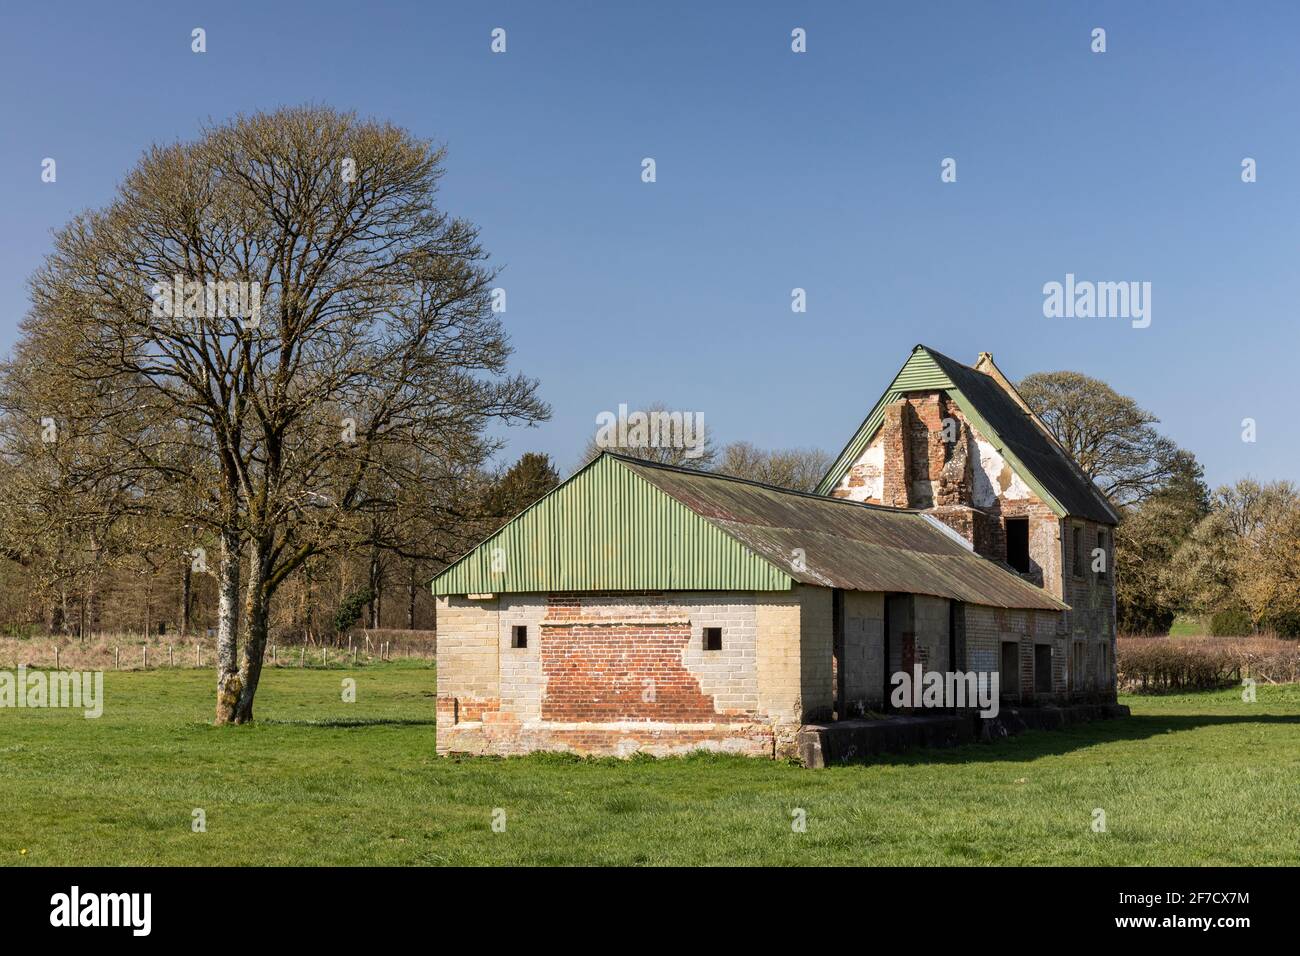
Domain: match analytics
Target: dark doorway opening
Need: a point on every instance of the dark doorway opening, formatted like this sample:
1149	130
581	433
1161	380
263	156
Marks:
1042	668
1009	679
1018	543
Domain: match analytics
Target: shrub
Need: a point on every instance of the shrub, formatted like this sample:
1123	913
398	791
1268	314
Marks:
349	611
1231	623
1162	664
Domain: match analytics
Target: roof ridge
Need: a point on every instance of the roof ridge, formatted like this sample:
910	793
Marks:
947	358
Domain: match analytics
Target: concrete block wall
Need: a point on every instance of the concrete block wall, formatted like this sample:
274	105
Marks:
918	632
864	649
780	664
523	681
816	645
932	619
468	668
622	673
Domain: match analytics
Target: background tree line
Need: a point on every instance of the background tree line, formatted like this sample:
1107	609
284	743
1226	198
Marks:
1230	557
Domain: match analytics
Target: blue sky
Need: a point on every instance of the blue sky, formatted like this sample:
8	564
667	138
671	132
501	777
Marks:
775	170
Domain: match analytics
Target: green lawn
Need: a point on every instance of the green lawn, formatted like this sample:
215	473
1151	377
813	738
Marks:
1195	779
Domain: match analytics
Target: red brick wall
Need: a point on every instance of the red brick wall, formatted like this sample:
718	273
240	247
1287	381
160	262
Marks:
604	672
898	454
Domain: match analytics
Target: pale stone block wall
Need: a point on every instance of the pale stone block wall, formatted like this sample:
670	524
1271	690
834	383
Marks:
467	648
779	665
864	649
523	684
932	625
816	648
986	630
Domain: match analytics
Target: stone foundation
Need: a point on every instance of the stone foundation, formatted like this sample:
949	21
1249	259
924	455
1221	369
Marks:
856	741
614	739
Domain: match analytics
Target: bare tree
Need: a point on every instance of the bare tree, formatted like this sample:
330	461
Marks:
800	469
1108	434
284	309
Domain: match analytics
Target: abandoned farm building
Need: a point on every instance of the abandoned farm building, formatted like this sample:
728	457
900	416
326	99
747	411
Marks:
641	607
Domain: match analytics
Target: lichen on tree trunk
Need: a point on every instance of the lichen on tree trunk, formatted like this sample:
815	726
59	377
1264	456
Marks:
256	619
229	685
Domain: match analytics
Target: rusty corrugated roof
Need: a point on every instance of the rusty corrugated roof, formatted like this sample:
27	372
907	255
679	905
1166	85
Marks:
838	543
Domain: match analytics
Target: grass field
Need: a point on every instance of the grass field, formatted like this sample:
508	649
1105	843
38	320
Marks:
1194	779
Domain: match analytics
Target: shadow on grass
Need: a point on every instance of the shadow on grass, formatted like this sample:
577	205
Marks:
1033	744
346	722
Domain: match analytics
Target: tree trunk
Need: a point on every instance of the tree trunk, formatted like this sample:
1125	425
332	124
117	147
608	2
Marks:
187	594
410	607
228	678
92	588
55	618
372	579
256	620
304	600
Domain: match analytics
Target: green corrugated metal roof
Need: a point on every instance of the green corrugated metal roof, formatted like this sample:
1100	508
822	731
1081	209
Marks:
606	528
1039	462
624	524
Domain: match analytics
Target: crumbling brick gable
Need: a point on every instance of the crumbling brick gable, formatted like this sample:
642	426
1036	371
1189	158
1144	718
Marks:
921	458
895	437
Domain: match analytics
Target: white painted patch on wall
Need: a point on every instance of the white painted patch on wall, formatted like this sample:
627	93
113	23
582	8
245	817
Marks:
996	479
871	467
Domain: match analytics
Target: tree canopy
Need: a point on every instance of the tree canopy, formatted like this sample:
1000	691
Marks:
273	334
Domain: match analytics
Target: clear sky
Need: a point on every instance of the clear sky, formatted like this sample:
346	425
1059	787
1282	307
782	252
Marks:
775	170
